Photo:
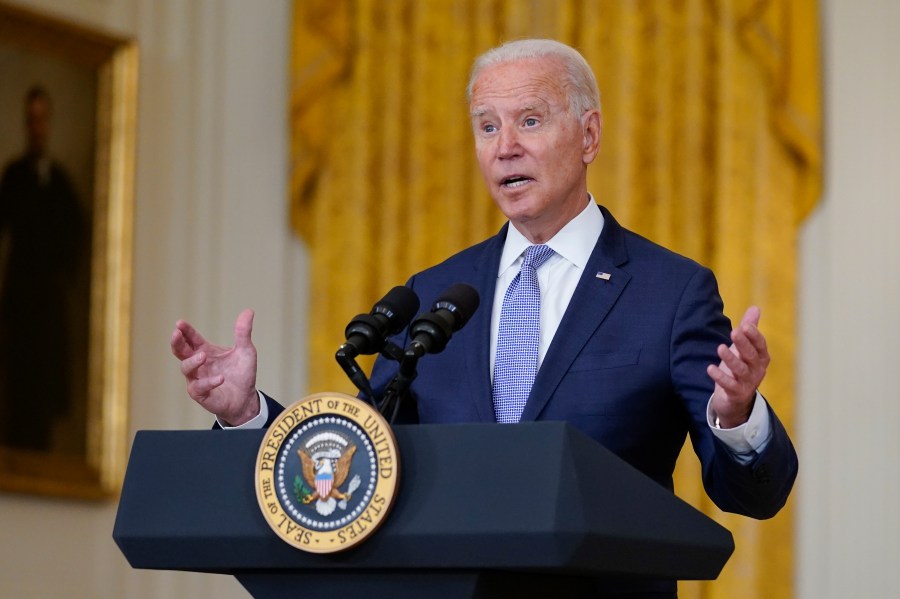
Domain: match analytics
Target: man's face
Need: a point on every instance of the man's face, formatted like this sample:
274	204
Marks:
37	125
532	152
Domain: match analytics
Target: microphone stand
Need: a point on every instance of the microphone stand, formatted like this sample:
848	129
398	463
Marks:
345	358
398	388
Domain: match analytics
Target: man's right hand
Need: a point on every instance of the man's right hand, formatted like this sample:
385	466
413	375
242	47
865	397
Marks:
221	379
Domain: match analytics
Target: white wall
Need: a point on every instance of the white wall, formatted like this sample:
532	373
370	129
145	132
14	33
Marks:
211	238
849	402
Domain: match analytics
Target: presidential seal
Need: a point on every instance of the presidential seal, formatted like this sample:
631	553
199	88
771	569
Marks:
327	473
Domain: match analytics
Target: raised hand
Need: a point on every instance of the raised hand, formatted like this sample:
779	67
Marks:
221	379
741	371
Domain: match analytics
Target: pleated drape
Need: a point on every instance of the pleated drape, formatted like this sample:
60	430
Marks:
711	146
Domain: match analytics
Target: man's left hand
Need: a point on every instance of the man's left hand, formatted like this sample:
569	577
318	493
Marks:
741	371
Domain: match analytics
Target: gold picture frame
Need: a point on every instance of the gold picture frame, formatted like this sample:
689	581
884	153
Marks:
92	94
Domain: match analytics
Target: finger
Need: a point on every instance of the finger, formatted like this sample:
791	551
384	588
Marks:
736	364
731	388
243	328
200	389
751	345
191	336
722	365
758	340
190	364
723	379
179	346
743	377
751	317
743	345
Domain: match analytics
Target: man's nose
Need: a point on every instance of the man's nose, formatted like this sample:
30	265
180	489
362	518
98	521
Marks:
508	143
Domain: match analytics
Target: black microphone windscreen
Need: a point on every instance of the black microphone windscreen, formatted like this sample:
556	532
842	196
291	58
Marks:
462	300
400	304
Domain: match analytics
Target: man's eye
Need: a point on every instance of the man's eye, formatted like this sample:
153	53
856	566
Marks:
531	122
488	128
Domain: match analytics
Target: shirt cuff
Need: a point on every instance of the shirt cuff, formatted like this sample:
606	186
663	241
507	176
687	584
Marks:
259	421
748	438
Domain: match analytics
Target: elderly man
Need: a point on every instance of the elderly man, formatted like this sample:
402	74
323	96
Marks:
580	320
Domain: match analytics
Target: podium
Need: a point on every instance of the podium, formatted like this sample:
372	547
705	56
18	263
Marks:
483	510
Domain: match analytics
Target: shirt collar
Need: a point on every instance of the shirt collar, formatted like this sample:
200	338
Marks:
574	242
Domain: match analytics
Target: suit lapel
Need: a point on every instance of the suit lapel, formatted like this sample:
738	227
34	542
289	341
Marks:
478	360
594	297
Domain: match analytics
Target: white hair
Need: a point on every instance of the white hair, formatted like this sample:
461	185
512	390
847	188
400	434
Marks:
583	92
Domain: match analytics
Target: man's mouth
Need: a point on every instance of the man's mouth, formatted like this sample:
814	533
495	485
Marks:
515	181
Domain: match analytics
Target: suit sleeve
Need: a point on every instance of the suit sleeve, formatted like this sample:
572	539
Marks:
273	407
760	487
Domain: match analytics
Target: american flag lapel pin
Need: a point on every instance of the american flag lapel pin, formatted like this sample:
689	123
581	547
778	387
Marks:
603	275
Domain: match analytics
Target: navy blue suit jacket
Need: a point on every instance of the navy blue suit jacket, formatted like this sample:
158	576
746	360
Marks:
627	365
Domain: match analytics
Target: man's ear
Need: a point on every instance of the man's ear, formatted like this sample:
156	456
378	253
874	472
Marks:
591	127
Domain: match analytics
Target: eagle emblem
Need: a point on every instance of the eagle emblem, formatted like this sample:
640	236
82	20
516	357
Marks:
327	472
326	460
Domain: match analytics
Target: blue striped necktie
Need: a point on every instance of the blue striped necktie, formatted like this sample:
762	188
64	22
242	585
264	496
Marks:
518	338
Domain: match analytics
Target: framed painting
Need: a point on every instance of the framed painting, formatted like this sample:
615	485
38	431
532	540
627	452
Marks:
68	98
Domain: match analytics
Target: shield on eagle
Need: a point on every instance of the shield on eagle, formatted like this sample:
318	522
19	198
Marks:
324	479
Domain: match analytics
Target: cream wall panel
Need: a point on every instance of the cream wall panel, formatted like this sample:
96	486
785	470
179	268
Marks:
210	239
849	403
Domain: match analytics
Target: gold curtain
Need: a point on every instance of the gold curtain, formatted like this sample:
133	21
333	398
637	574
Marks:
711	146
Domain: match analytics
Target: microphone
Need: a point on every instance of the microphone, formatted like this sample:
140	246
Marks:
431	331
366	333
